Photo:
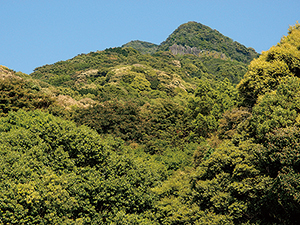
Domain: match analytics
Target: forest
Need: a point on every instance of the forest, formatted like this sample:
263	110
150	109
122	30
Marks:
140	135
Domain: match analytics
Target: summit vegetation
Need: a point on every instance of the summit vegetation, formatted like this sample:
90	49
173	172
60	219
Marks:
197	130
197	35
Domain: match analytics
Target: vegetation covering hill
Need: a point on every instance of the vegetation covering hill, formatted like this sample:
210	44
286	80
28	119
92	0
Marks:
142	46
121	137
204	40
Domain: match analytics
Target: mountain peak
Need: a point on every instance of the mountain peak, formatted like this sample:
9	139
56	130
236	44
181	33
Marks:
203	38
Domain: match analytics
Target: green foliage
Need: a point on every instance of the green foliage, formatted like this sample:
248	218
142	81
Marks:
270	69
280	160
174	195
55	172
225	69
113	117
163	116
142	46
210	102
155	139
194	34
110	92
160	71
16	93
277	109
229	184
233	122
140	83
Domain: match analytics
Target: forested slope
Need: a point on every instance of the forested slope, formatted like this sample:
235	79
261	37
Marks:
124	137
142	46
206	40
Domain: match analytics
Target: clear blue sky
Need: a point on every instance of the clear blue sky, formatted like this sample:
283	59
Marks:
38	32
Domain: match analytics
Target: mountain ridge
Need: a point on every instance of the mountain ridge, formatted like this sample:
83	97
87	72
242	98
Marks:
205	62
199	37
142	46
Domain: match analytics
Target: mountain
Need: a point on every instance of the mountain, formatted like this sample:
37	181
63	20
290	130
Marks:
200	40
121	137
142	46
193	37
197	51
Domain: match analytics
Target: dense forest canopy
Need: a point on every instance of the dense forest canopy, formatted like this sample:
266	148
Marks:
140	135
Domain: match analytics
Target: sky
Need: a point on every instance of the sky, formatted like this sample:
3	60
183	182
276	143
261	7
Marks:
38	32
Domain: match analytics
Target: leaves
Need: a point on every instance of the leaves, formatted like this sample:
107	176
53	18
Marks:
58	172
269	70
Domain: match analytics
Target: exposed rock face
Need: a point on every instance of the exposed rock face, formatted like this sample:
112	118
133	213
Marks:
182	50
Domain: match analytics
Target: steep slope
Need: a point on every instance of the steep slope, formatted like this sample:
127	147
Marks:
196	38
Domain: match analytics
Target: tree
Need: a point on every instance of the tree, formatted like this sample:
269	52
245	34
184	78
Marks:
15	94
277	109
122	119
52	171
227	183
280	160
205	110
270	69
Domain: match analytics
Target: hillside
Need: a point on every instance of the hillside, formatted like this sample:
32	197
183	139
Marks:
217	57
121	137
142	46
200	39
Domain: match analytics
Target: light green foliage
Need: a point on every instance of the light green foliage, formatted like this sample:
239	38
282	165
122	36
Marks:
171	143
210	218
210	102
225	188
164	71
141	83
270	69
276	109
229	184
174	204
